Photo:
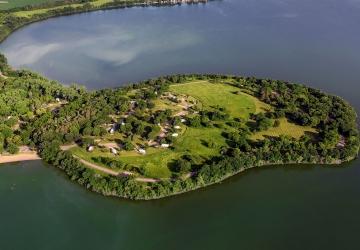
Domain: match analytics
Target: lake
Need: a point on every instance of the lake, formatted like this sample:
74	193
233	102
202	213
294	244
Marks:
292	207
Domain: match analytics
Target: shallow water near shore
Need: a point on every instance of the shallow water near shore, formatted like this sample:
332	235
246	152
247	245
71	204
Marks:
290	207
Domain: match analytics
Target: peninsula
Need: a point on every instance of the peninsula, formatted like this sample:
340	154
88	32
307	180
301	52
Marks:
172	134
168	135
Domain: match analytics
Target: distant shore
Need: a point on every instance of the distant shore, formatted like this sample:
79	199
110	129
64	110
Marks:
63	8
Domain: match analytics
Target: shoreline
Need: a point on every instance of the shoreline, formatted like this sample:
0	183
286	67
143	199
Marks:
20	157
224	178
32	155
5	33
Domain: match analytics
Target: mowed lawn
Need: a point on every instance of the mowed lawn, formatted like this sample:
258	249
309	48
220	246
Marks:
238	104
285	128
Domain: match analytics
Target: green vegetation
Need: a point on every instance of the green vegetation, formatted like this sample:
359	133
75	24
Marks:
172	134
168	135
9	4
285	128
193	140
237	103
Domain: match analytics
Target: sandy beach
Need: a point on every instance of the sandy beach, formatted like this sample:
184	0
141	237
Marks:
19	157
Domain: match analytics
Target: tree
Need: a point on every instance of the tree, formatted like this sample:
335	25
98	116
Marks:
182	166
12	148
87	131
127	145
140	128
87	142
277	123
262	122
195	122
2	141
153	132
330	139
96	131
5	130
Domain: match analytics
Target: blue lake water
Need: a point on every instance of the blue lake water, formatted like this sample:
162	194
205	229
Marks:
313	42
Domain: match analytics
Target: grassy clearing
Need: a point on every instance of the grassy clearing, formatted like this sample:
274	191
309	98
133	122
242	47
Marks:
194	141
9	4
285	128
156	161
98	3
166	104
238	104
30	13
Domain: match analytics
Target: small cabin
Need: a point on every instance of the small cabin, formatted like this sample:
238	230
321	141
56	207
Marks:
177	127
142	151
113	151
175	135
183	120
164	145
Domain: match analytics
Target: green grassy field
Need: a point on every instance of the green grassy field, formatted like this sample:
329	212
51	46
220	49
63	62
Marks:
238	104
30	13
8	4
166	104
157	160
285	128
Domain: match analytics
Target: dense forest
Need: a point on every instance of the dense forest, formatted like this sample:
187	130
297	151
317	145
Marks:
44	115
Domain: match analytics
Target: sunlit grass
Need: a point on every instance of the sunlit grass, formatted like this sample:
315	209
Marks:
285	128
8	4
237	103
30	13
156	161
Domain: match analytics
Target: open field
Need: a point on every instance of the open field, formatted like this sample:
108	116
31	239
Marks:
237	103
100	2
285	128
166	104
8	4
30	13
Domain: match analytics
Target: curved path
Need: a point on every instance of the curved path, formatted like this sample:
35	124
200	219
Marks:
97	167
115	173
